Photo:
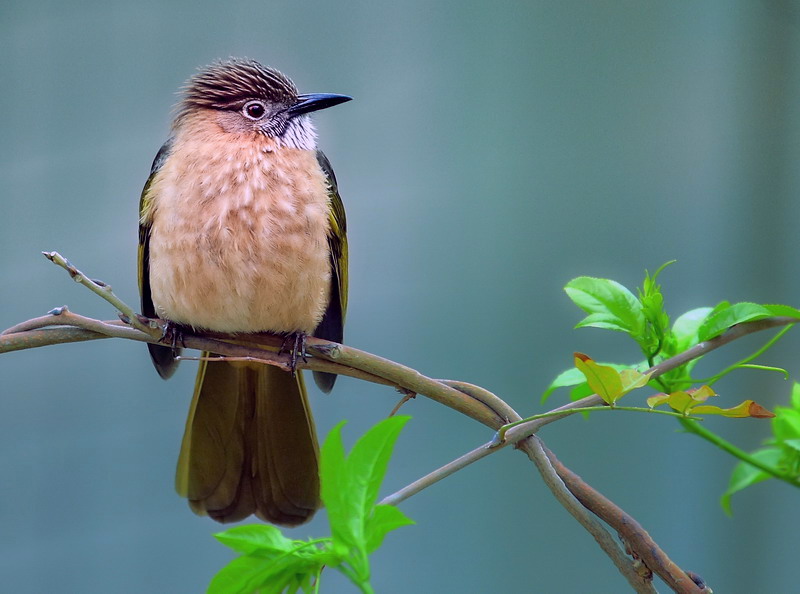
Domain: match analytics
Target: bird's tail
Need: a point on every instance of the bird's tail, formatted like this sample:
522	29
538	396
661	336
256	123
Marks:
250	446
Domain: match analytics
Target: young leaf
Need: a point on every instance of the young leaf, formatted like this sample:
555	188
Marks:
652	301
657	400
573	377
608	303
691	402
632	379
607	382
604	380
682	401
748	408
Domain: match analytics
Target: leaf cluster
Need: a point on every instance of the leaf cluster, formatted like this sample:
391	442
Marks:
781	452
271	563
643	317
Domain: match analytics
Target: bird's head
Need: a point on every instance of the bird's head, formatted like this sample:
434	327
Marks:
245	97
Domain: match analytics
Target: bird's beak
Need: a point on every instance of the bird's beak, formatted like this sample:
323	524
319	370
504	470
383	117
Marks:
314	102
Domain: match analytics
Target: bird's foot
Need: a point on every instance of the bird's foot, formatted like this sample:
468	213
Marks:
173	335
297	348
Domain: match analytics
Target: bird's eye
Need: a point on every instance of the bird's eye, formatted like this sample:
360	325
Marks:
254	110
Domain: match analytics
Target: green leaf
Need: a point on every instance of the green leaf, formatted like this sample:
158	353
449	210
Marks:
370	456
792	443
254	538
795	400
570	377
573	377
744	475
783	310
608	303
582	390
274	564
686	327
350	488
605	321
652	301
241	576
383	520
786	424
343	513
722	319
249	574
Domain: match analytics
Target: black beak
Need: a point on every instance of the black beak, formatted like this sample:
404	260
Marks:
314	102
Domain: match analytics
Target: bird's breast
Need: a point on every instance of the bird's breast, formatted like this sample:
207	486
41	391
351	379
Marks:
238	239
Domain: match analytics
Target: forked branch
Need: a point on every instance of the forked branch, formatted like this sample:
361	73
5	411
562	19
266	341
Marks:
62	326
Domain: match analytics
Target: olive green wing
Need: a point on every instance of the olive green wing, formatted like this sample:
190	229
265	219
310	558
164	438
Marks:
332	325
163	357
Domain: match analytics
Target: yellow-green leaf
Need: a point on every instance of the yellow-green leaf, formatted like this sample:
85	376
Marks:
632	379
684	401
657	400
701	394
748	408
680	401
604	380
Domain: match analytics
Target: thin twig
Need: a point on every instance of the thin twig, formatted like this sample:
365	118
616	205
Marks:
437	475
101	289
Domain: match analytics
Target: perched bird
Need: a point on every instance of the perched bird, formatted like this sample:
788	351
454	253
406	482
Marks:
242	230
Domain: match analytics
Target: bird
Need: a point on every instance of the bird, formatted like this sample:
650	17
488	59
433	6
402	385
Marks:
242	230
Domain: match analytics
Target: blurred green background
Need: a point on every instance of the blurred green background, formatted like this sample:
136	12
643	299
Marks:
493	152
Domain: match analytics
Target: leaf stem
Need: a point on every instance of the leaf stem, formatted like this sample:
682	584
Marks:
767	345
364	586
501	433
692	427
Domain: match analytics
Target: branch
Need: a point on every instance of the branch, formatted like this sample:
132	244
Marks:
102	289
61	326
638	576
631	532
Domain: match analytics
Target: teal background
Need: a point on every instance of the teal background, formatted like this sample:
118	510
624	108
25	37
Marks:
493	152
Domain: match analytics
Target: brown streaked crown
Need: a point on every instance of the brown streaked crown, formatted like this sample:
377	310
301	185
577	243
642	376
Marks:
229	83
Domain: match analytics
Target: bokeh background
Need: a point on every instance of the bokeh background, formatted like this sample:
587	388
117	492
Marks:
493	152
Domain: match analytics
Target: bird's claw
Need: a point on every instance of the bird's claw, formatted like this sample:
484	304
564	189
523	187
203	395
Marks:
297	350
172	335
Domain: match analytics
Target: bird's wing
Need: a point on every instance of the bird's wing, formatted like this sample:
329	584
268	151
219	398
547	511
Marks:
332	325
163	357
